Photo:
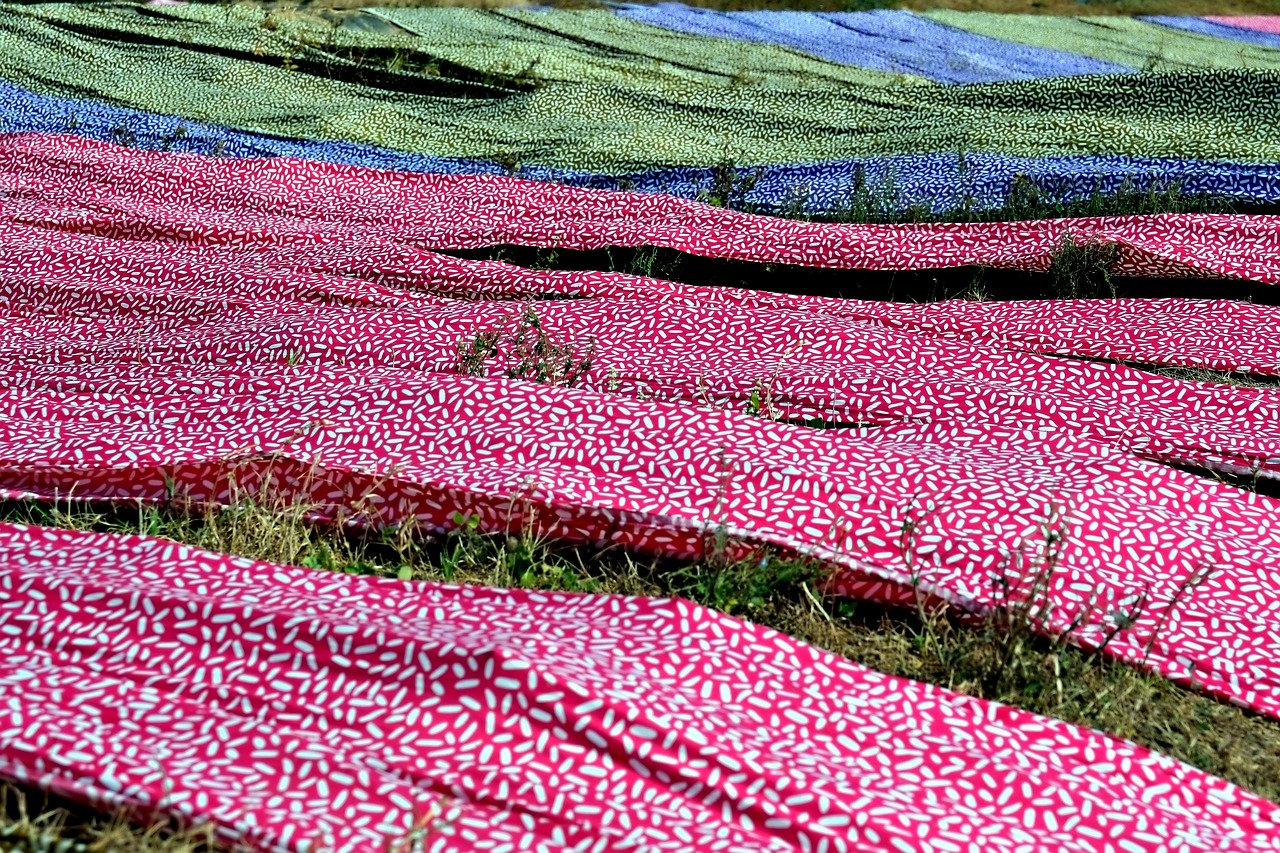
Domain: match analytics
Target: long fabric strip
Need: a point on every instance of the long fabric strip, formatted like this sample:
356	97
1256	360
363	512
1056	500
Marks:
1219	28
576	44
291	82
1160	568
1133	42
937	182
885	40
298	711
76	300
1260	23
49	274
156	195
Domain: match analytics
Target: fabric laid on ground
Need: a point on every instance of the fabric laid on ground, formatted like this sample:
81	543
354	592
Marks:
497	719
45	270
580	44
938	182
156	195
1261	23
885	40
257	82
1211	27
75	300
1187	564
1214	334
1134	42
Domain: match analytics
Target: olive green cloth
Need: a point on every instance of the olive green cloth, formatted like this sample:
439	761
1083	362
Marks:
239	68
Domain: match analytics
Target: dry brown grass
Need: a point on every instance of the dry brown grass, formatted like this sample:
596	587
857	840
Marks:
32	821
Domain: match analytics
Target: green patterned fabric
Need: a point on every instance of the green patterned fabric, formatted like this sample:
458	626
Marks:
1116	38
426	93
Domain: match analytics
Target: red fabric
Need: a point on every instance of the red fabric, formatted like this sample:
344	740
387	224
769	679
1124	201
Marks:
296	708
72	299
156	195
381	446
1214	334
1263	23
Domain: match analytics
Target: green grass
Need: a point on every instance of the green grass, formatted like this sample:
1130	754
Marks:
1000	659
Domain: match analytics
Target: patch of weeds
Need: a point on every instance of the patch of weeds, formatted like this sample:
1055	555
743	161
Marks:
1083	270
123	135
520	348
509	162
870	203
170	139
731	187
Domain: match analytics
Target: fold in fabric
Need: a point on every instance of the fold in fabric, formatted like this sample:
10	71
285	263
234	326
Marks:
1195	333
298	711
76	300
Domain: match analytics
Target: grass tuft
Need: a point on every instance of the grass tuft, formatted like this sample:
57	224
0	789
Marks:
520	348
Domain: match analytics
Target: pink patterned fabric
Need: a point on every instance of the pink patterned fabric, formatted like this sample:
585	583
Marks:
1214	334
79	184
1193	564
76	299
186	328
1262	23
300	710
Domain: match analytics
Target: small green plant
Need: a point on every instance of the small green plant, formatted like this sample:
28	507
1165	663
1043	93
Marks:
521	349
170	139
123	135
1083	269
731	186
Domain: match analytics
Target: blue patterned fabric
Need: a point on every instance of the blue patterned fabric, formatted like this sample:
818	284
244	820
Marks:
1213	28
23	111
937	182
883	40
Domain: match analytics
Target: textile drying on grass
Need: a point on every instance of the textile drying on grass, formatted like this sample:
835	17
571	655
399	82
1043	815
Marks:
1179	571
936	182
1258	23
1134	42
75	300
490	718
886	40
308	284
248	78
186	328
299	202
